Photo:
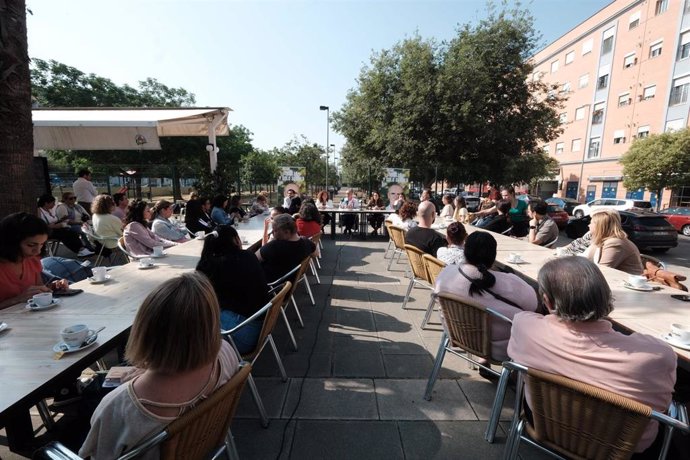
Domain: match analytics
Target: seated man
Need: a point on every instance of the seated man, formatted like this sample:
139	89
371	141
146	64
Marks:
423	237
349	220
497	223
575	340
285	251
542	229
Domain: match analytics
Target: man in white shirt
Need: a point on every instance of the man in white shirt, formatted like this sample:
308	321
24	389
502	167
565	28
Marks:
84	189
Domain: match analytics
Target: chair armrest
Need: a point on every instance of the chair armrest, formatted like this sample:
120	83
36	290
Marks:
260	312
498	315
285	277
54	450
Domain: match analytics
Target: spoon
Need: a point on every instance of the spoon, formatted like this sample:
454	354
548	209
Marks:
92	338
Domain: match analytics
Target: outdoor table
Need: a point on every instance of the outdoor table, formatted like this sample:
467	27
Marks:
634	311
363	213
28	370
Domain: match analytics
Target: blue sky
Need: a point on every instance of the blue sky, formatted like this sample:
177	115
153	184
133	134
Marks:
273	62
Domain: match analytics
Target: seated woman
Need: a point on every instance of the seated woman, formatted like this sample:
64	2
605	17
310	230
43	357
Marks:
506	293
163	227
121	202
309	220
171	375
375	220
236	211
448	211
499	222
218	214
324	202
460	213
260	205
577	342
239	283
139	240
517	212
197	217
453	254
610	245
405	216
105	223
22	237
59	227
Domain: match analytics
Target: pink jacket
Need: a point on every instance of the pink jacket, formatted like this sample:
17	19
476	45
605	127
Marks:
140	240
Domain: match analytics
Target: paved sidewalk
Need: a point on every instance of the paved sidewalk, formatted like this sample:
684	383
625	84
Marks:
356	384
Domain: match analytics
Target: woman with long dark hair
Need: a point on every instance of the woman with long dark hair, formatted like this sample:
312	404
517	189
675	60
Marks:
138	238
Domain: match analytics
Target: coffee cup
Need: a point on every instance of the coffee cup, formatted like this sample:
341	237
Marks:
680	332
99	273
145	262
637	280
74	336
515	256
43	299
158	251
200	234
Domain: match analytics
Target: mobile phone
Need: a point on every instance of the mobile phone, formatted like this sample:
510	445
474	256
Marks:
683	297
67	292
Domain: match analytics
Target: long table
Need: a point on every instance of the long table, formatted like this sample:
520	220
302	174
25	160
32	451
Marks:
634	311
362	213
28	370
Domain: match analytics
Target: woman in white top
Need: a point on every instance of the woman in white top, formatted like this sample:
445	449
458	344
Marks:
407	213
324	202
454	253
161	226
105	224
180	360
448	210
461	214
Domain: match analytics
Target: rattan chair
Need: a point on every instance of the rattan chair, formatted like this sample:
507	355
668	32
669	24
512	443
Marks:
580	421
419	276
387	223
203	430
433	267
271	312
398	237
275	286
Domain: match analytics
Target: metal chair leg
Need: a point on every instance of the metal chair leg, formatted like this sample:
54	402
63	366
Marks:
287	324
495	417
299	316
409	291
45	414
257	400
429	310
313	271
437	366
283	374
306	283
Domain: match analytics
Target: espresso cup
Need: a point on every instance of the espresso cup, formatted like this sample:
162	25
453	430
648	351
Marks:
74	336
515	256
158	250
145	261
43	299
680	332
200	234
637	280
99	273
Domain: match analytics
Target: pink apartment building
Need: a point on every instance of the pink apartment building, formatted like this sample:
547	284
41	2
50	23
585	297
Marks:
626	74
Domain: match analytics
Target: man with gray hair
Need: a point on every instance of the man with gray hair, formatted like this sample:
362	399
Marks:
423	237
286	250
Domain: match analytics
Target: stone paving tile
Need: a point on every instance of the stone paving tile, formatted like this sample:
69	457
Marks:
301	363
407	366
481	396
272	392
258	443
332	399
408	342
335	440
349	365
448	439
404	400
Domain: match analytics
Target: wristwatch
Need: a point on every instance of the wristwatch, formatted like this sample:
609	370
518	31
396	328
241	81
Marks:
532	227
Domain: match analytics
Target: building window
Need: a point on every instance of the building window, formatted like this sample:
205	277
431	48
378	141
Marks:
598	113
649	92
563	118
603	82
619	136
554	66
642	132
559	148
634	20
536	76
684	50
546	148
584	81
569	57
687	6
575	145
594	144
579	113
675	125
661	6
680	91
624	99
629	61
565	89
655	50
587	46
607	45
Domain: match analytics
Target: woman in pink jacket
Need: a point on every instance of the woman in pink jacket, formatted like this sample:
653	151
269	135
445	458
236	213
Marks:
139	239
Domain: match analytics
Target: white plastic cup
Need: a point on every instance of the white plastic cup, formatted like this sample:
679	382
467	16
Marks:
43	299
99	273
146	261
515	256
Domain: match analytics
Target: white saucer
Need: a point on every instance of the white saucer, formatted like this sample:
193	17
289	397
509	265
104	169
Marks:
671	341
515	261
4	327
145	267
93	281
33	307
645	288
57	349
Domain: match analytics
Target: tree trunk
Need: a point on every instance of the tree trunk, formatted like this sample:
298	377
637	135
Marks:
177	194
16	129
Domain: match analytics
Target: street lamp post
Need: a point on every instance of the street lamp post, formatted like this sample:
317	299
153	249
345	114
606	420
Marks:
332	146
328	128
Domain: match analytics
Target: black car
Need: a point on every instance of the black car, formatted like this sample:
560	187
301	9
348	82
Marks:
568	204
647	230
472	203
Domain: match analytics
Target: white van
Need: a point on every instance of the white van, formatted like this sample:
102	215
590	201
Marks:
613	203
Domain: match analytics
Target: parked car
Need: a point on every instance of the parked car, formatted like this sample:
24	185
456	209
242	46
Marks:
679	217
613	203
528	198
568	204
472	203
558	215
647	230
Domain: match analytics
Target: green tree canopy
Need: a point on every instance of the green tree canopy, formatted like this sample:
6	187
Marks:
658	161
